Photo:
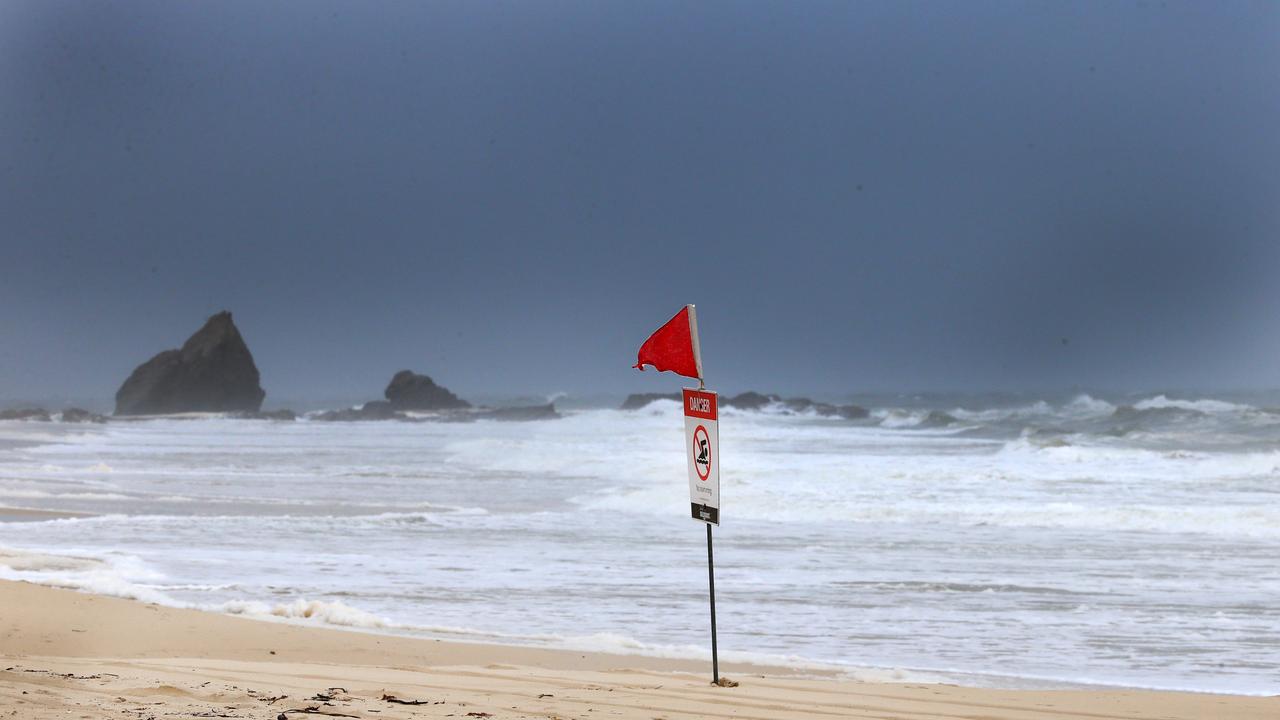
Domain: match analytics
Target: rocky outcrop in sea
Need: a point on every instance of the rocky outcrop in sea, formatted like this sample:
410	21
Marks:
411	391
213	371
417	398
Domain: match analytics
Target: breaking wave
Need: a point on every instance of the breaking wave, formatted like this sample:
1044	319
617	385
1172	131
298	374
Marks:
328	612
1200	406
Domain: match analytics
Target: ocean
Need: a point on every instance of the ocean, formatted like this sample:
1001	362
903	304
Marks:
1014	541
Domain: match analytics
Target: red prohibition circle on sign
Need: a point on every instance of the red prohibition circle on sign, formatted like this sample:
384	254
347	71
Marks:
701	453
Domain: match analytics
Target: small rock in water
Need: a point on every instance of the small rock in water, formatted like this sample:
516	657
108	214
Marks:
37	414
750	400
80	415
411	391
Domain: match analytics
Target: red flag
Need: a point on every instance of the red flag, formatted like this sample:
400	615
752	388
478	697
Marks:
674	346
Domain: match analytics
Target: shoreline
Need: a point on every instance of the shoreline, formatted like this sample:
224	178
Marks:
648	657
22	514
789	665
84	653
786	666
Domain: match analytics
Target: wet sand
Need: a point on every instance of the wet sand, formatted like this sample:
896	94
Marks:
65	654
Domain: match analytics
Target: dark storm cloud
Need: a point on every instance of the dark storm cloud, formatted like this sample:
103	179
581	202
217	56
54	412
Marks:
509	196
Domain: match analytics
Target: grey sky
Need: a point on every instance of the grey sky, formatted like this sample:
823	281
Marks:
510	196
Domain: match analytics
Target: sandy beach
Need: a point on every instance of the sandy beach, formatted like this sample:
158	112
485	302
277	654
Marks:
69	654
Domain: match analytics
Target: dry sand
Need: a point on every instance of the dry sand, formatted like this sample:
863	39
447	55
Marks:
65	654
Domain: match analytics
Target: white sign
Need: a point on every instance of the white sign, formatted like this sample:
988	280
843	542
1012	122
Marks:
702	445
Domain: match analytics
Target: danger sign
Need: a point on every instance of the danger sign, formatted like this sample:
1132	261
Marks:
702	442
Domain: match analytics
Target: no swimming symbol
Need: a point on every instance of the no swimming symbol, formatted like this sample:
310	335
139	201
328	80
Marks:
701	453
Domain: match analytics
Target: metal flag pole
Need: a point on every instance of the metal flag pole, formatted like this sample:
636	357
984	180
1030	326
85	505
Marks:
711	563
711	584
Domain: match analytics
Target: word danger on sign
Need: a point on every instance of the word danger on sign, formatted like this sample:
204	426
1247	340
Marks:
702	445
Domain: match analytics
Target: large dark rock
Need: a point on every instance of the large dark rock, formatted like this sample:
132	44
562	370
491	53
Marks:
213	372
411	391
635	401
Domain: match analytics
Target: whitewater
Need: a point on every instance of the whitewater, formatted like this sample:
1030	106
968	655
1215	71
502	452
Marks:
997	541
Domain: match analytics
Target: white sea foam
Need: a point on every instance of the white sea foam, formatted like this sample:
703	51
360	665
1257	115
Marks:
33	562
998	414
618	644
1227	521
1205	405
117	576
1088	405
128	577
329	612
898	418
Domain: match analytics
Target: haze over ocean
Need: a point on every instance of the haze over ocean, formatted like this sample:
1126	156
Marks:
859	196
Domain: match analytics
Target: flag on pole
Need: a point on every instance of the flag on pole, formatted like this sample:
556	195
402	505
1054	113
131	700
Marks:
674	346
